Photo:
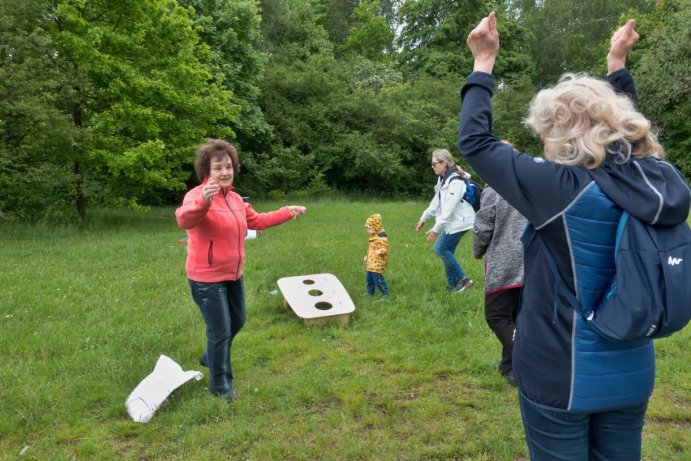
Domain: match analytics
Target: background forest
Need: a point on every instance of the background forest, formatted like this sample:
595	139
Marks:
102	102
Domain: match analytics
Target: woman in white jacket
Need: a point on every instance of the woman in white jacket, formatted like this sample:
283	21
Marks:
454	217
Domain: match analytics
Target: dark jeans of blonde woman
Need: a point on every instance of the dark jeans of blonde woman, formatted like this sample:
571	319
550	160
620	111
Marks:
554	434
445	247
222	305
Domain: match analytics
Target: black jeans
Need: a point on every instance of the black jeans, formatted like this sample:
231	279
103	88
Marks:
500	314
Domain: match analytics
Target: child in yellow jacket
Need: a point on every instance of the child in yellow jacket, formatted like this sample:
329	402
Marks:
377	255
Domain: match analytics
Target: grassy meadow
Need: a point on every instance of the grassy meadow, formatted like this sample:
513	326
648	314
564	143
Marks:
86	312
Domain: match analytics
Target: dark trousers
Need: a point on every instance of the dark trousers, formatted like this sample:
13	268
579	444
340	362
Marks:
223	306
500	314
375	279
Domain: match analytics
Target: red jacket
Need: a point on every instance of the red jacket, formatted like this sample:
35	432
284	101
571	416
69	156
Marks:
216	233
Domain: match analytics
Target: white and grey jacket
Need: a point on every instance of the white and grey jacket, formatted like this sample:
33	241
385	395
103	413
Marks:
452	213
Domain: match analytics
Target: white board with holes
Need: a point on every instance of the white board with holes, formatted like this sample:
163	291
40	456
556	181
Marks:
317	298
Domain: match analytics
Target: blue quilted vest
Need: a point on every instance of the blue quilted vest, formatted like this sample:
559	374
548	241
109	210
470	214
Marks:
605	374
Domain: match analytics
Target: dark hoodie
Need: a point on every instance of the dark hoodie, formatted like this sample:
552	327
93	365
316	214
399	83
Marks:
558	360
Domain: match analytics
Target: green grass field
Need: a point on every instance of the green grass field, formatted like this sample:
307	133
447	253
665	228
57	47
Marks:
85	314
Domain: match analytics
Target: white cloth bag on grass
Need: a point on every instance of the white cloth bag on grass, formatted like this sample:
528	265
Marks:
149	394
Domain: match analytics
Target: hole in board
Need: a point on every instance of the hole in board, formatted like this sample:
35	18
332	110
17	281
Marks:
315	293
308	282
323	306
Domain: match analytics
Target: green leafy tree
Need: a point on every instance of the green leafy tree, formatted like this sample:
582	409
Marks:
433	35
566	35
132	79
291	31
231	29
370	36
660	64
139	90
509	107
32	128
433	32
335	17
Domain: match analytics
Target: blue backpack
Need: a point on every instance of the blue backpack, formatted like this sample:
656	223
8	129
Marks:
650	293
472	194
473	191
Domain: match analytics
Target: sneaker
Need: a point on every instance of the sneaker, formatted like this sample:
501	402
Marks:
202	361
463	285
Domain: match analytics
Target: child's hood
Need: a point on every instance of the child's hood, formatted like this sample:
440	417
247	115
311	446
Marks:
374	222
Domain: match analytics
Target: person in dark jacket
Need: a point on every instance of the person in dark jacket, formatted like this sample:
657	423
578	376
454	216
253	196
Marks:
581	396
497	236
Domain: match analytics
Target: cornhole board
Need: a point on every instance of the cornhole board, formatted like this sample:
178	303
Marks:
317	298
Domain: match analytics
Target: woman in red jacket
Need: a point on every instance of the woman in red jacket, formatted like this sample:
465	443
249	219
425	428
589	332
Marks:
216	220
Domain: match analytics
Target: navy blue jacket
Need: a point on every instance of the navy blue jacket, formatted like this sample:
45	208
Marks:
558	360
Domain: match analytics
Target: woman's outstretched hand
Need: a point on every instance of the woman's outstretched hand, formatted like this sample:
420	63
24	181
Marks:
297	210
621	43
483	42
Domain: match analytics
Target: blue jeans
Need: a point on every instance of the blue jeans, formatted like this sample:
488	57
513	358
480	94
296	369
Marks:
375	279
222	305
556	434
445	247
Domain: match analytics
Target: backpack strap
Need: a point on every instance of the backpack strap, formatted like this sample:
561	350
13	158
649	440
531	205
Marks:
620	230
561	285
451	177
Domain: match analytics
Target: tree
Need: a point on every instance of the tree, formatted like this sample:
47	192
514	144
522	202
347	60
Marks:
433	35
370	35
566	35
660	64
133	79
509	107
335	17
32	128
231	29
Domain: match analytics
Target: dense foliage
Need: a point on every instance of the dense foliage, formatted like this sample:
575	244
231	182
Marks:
103	101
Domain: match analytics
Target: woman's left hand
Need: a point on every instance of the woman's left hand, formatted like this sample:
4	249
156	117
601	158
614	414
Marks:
621	43
297	210
431	236
483	42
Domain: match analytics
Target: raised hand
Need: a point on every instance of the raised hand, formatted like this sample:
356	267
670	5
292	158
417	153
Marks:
483	42
621	43
210	190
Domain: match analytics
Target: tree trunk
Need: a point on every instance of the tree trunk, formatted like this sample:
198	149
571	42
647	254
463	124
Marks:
79	199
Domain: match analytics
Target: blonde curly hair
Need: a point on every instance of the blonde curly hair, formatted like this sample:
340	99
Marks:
580	119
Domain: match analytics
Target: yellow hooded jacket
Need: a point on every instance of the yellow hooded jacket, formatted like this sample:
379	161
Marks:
378	248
